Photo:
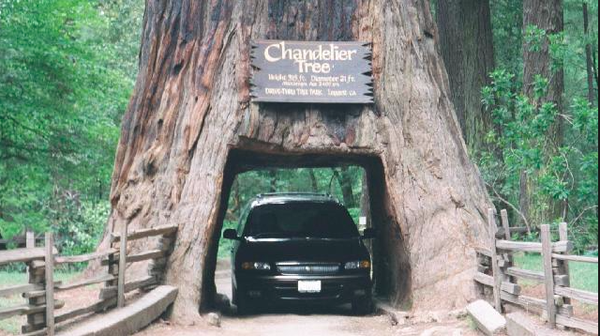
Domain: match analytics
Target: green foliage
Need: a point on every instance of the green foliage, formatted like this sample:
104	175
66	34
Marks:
507	23
567	174
322	180
66	74
583	276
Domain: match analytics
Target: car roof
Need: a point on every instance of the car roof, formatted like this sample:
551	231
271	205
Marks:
290	197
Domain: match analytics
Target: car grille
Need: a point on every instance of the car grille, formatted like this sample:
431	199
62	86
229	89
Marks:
309	269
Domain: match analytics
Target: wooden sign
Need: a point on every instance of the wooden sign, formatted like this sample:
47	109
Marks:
311	72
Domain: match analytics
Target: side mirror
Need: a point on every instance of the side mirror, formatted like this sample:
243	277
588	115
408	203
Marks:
369	233
230	234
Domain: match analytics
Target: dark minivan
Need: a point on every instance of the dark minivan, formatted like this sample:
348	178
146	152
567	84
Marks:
299	247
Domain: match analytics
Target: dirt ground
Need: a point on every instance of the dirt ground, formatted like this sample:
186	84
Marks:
319	323
309	321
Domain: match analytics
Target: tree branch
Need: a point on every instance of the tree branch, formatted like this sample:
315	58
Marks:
511	205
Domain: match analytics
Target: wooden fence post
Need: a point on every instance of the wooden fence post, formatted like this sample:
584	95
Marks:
498	278
563	265
508	257
49	261
505	224
29	243
29	239
122	267
548	274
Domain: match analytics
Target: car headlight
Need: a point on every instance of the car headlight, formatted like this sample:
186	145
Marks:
359	264
259	266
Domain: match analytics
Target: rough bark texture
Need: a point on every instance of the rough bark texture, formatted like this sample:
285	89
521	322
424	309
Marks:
466	43
191	110
546	15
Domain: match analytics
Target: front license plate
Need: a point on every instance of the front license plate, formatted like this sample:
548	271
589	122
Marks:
312	286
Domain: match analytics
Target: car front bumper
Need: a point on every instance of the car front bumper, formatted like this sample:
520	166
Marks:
335	289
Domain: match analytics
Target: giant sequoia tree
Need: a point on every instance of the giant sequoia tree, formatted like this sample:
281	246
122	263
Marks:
466	43
191	110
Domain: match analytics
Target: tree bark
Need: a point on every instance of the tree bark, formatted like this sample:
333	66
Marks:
588	56
466	43
546	15
191	108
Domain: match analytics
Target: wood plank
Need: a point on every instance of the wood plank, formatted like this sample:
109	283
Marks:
18	289
548	275
96	307
110	292
575	323
12	311
85	282
534	304
122	267
562	280
496	270
505	224
568	257
486	317
22	255
484	251
507	287
26	309
41	332
577	294
29	239
152	254
525	274
563	267
39	293
144	233
143	256
558	247
85	257
49	283
128	320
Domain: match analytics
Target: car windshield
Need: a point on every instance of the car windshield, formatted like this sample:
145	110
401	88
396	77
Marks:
301	220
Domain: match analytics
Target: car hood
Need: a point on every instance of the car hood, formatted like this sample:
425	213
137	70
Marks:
300	250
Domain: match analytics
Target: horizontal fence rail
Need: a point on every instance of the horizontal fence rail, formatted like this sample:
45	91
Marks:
41	263
497	272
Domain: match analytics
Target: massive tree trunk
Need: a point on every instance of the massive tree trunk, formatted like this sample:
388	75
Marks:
466	43
191	110
546	15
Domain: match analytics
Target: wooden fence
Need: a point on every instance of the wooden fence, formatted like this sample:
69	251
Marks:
496	271
43	309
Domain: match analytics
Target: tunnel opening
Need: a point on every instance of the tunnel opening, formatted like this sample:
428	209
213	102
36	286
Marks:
248	173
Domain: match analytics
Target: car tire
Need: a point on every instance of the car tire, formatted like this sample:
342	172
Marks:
363	306
241	304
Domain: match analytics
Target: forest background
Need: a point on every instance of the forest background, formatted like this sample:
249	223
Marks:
526	97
